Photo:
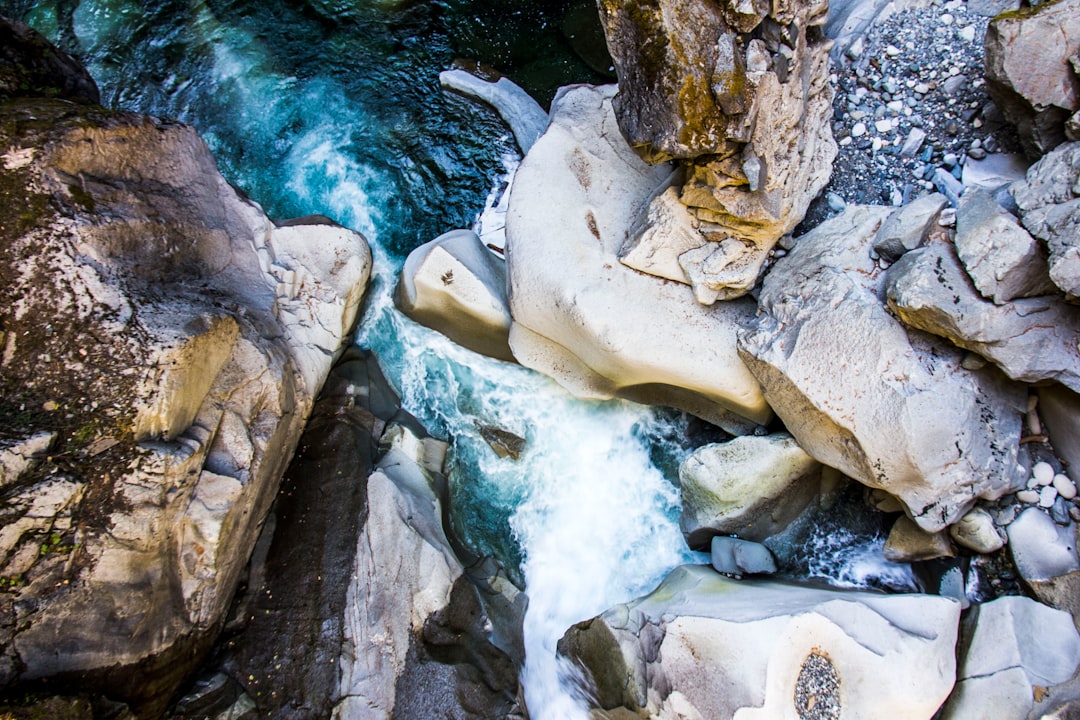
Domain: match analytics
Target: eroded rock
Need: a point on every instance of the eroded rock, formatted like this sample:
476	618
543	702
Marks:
837	368
576	326
1049	202
720	648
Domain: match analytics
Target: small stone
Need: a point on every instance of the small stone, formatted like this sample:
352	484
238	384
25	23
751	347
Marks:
858	129
1028	496
947	19
1059	511
836	203
1033	484
50	406
875	144
895	106
947	217
976	153
922	88
949	160
1047	496
892	50
1043	472
883	126
1065	487
967	34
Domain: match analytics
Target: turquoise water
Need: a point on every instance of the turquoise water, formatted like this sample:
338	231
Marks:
333	107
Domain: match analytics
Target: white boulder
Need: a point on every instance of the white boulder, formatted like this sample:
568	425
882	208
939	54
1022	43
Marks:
453	284
516	107
753	649
598	327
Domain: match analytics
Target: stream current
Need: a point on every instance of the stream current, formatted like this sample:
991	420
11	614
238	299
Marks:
333	107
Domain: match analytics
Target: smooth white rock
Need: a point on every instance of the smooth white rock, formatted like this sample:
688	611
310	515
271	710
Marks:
516	107
1066	488
1040	548
1043	472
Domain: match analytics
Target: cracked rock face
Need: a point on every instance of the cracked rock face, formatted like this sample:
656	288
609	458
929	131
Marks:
170	339
702	645
838	369
737	93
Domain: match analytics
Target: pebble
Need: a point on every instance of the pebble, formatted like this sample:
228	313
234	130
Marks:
858	129
1047	496
922	88
1043	472
883	126
976	153
836	203
967	34
892	51
947	19
1065	487
1028	496
1059	511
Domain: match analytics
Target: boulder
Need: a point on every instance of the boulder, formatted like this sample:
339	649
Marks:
751	486
1049	203
977	531
1016	652
453	284
1028	70
1003	260
173	339
908	227
837	368
738	93
30	66
576	326
908	543
734	556
994	172
1031	340
1045	555
756	649
1059	410
516	107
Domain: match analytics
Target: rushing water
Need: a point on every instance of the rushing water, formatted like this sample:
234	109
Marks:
333	107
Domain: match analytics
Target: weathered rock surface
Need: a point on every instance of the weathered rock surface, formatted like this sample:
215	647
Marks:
738	557
1031	339
1029	72
577	326
1049	202
837	368
1016	651
173	340
453	284
1003	260
977	531
908	227
516	107
751	649
1059	410
907	543
1045	555
751	486
738	93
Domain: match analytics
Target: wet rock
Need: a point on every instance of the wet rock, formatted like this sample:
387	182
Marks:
734	556
181	338
908	543
30	66
908	227
516	107
836	367
724	648
453	284
1016	651
1049	202
577	326
699	84
752	487
1003	260
1028	72
1031	339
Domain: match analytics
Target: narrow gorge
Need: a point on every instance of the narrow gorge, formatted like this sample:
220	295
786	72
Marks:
567	360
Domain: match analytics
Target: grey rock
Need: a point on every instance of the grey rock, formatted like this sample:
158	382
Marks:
1031	340
516	107
453	284
836	367
1040	549
713	647
752	487
734	556
1059	411
1011	645
30	66
1049	203
908	227
1028	72
1002	258
990	8
913	142
948	185
994	172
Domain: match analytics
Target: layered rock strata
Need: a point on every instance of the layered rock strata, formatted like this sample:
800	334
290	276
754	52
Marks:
738	94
